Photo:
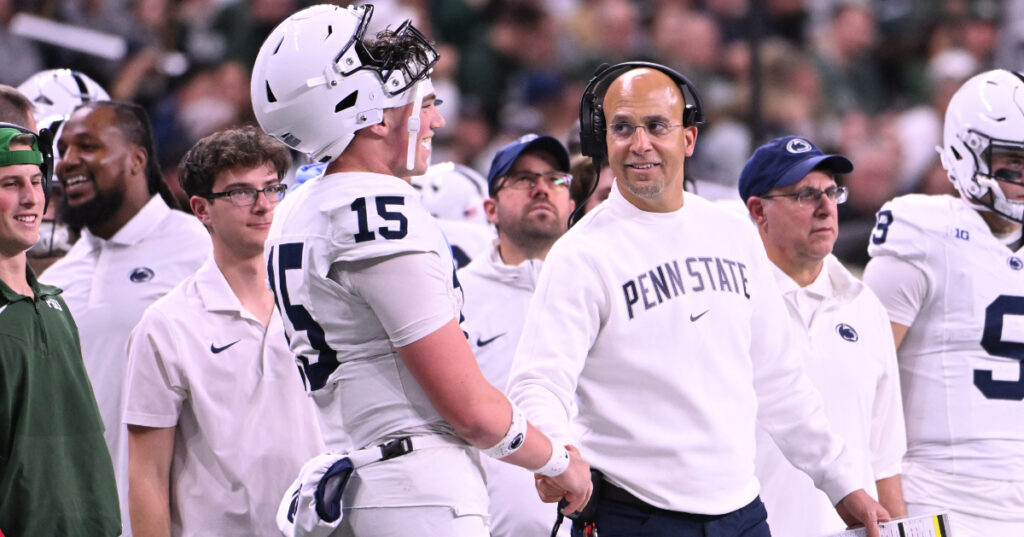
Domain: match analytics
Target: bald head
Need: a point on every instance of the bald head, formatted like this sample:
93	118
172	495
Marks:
644	86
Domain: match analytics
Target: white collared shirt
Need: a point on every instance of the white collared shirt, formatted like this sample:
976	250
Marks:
201	362
851	360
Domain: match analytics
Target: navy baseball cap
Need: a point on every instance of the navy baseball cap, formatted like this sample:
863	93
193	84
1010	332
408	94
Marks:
786	161
507	156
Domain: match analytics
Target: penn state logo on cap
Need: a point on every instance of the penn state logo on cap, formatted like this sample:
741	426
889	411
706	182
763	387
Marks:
141	274
798	145
847	332
786	161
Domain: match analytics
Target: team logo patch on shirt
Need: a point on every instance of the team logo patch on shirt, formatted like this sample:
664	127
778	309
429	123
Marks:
1015	262
847	332
141	274
50	301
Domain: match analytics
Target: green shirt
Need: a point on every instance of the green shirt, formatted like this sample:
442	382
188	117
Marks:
56	477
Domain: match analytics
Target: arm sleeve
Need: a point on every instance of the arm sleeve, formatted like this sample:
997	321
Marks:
900	285
789	407
549	359
155	385
410	293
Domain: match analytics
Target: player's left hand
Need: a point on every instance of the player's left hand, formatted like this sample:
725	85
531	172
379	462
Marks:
860	509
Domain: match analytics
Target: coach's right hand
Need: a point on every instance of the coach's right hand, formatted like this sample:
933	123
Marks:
573	484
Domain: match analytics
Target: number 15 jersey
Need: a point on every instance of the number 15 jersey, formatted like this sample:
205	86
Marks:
345	313
962	359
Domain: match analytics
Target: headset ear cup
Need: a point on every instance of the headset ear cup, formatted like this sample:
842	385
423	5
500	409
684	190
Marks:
597	132
46	148
689	115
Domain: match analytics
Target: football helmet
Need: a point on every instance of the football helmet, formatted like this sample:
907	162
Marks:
985	115
315	83
56	92
452	191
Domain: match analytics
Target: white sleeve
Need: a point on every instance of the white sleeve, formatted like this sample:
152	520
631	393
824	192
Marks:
155	385
901	286
888	440
409	293
549	359
789	407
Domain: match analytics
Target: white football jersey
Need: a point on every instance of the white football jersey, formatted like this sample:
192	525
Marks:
962	360
329	228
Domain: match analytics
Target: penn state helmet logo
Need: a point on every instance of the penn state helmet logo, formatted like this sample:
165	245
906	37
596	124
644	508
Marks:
141	274
847	332
798	145
1015	263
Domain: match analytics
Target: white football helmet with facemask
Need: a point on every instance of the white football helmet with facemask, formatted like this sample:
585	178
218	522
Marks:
986	114
315	83
56	93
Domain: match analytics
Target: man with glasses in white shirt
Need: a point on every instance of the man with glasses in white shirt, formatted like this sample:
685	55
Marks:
657	337
790	191
218	420
529	204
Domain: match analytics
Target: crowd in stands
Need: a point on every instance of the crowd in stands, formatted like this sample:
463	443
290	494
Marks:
868	79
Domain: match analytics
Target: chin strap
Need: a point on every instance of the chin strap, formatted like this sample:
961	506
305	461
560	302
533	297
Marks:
414	126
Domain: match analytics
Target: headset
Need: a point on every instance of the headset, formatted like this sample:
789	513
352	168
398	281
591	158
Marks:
592	126
44	141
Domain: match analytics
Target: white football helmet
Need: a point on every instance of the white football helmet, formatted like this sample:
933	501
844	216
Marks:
56	92
985	114
314	83
452	191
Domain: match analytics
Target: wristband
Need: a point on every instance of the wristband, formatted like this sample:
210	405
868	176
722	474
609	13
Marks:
557	464
513	439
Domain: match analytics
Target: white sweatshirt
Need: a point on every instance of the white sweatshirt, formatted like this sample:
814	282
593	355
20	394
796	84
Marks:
670	330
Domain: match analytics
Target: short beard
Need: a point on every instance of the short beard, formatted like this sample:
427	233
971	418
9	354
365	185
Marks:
94	212
532	236
645	190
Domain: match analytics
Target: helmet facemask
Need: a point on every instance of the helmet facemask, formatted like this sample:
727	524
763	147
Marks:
982	188
985	118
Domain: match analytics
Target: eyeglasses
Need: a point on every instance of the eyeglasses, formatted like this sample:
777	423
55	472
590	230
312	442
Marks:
241	197
529	180
657	129
810	196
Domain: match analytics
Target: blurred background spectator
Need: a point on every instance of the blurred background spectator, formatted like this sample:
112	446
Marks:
869	78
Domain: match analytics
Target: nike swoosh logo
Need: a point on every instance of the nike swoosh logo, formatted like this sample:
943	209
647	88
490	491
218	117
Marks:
216	350
482	342
693	318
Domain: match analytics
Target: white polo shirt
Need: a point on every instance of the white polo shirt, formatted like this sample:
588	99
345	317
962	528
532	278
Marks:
107	284
851	360
200	361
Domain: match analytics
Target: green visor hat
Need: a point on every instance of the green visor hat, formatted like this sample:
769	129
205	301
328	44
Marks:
22	156
40	155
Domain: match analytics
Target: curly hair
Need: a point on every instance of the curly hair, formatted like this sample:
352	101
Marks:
244	147
404	46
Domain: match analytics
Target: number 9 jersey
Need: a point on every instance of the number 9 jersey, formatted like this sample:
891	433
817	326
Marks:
328	254
962	359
